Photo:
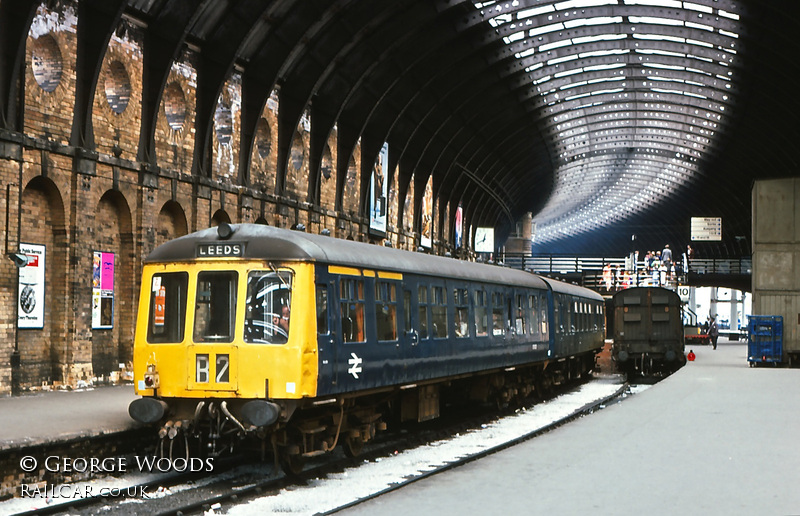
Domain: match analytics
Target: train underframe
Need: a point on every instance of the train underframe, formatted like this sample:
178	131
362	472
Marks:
648	363
309	428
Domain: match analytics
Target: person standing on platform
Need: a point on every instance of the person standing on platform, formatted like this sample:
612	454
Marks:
666	259
713	332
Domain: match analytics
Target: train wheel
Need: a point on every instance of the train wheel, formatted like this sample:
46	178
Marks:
291	463
353	445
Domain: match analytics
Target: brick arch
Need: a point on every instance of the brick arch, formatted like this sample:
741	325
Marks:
113	234
350	192
327	180
296	183
172	222
43	353
219	217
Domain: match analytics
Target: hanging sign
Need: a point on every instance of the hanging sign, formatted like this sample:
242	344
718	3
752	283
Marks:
706	229
30	309
102	290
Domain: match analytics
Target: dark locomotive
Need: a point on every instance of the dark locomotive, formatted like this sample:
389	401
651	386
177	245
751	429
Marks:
306	342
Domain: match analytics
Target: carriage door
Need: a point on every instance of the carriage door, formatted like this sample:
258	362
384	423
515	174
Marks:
326	332
411	327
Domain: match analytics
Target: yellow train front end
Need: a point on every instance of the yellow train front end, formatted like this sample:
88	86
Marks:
219	342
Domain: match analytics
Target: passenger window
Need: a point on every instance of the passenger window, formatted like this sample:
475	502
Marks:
352	309
268	307
481	317
386	310
498	324
215	306
322	310
422	299
520	323
533	307
461	300
543	315
439	313
167	307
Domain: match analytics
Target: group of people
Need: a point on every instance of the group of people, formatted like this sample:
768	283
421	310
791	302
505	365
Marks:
657	268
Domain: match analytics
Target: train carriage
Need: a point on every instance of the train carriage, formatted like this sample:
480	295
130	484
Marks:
648	331
309	341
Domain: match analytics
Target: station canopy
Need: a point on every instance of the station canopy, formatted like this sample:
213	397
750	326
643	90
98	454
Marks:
608	120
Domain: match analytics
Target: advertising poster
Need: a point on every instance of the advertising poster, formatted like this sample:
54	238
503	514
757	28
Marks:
459	225
378	189
102	290
30	311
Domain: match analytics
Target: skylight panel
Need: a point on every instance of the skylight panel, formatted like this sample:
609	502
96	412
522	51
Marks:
726	14
585	22
555	44
697	7
729	34
536	11
537	31
564	59
659	37
580	4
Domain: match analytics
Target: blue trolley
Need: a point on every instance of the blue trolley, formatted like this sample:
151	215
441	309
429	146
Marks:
765	339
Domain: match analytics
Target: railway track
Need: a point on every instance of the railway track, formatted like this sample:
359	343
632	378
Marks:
233	484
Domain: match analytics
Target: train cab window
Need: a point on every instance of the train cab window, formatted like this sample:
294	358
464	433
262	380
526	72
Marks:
461	300
351	306
215	306
498	324
386	310
438	313
268	305
422	302
521	321
481	317
167	307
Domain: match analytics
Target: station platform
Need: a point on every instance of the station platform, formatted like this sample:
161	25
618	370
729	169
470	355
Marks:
57	416
716	437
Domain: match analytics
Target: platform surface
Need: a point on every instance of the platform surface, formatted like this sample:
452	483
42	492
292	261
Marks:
715	438
35	419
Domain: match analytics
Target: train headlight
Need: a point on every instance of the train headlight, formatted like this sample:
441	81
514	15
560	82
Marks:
151	377
622	356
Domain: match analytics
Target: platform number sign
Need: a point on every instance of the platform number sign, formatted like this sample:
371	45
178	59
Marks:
684	293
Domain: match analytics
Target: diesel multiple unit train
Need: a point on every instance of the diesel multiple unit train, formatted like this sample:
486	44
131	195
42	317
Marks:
307	342
648	331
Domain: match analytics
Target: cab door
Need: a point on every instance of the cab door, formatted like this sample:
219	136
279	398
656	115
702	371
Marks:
327	331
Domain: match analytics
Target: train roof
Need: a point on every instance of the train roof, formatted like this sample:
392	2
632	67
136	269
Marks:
269	243
574	290
634	290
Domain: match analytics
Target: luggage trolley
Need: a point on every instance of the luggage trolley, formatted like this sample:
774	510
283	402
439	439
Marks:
765	339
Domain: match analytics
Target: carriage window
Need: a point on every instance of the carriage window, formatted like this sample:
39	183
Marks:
215	306
352	309
481	322
522	315
422	300
322	310
268	302
533	306
386	310
167	307
438	313
498	327
543	315
461	301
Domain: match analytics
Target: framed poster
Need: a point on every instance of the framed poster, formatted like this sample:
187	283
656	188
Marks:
30	305
378	189
102	290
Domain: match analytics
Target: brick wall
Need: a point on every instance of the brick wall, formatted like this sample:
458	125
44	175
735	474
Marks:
78	201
